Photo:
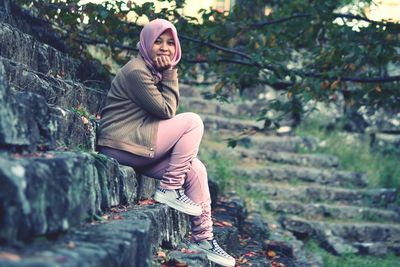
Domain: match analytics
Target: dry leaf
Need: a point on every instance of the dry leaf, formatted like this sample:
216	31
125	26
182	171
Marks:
146	202
71	245
181	264
117	217
9	256
222	223
84	120
161	254
271	253
189	251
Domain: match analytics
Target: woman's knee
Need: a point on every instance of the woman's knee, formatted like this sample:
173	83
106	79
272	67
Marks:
194	119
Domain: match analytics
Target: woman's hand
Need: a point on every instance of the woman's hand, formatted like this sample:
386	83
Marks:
162	63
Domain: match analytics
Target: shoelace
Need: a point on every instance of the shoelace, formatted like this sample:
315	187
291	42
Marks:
218	249
182	197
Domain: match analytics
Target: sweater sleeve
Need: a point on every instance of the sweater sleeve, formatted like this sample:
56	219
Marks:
140	88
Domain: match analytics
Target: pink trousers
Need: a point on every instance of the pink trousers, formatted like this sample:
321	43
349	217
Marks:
176	164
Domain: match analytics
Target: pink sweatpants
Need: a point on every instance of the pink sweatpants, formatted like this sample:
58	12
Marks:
176	164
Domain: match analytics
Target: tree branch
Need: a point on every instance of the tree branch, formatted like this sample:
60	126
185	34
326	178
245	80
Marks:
306	15
225	60
357	79
218	47
270	22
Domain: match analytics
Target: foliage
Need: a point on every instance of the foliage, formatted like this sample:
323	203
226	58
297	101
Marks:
306	48
355	153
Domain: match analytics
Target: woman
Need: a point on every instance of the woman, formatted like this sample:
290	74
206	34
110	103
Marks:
139	128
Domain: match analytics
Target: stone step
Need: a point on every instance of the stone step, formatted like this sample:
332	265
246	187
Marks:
126	239
292	174
48	193
264	142
278	143
241	234
322	210
284	244
339	238
310	160
376	197
214	123
56	90
192	100
23	48
210	107
50	128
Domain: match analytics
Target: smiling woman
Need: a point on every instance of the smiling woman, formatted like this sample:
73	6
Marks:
139	128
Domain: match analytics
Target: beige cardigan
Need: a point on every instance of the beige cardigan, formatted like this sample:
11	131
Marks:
134	107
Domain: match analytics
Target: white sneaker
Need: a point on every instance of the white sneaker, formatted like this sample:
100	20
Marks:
214	252
176	199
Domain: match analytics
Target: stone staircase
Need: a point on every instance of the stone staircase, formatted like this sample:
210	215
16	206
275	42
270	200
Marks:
61	203
306	194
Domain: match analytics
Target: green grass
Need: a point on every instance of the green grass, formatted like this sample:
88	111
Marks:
355	154
219	168
352	260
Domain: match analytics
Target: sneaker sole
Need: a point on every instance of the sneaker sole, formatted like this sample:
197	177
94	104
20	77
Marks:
184	209
216	258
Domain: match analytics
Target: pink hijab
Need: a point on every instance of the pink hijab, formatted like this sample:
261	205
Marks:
150	32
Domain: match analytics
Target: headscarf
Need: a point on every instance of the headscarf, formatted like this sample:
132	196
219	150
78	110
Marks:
149	34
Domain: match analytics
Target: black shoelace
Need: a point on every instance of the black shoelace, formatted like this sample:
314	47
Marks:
216	248
182	197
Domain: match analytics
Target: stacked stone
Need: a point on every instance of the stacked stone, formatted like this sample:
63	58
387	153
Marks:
306	193
61	203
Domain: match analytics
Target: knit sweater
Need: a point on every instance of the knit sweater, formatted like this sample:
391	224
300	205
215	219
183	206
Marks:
135	105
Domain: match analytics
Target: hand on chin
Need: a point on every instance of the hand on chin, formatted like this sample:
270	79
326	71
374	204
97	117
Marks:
162	62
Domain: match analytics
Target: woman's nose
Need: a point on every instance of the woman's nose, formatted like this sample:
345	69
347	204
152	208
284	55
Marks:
163	46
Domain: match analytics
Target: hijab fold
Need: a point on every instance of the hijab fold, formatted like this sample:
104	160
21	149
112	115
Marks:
149	35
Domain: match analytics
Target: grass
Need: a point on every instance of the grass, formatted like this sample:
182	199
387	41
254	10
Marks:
355	154
352	260
219	168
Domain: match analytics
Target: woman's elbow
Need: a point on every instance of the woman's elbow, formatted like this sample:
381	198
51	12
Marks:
167	114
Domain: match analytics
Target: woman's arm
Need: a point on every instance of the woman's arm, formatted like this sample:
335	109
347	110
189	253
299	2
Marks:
140	88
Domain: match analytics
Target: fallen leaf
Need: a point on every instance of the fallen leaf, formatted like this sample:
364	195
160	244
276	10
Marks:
241	260
189	251
220	209
115	210
181	264
71	245
222	223
161	254
146	202
271	253
9	256
84	120
117	217
250	254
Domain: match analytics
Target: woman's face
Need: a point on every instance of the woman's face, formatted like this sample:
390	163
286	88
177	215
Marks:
164	45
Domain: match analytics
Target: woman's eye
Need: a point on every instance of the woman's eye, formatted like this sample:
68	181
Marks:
158	41
171	43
